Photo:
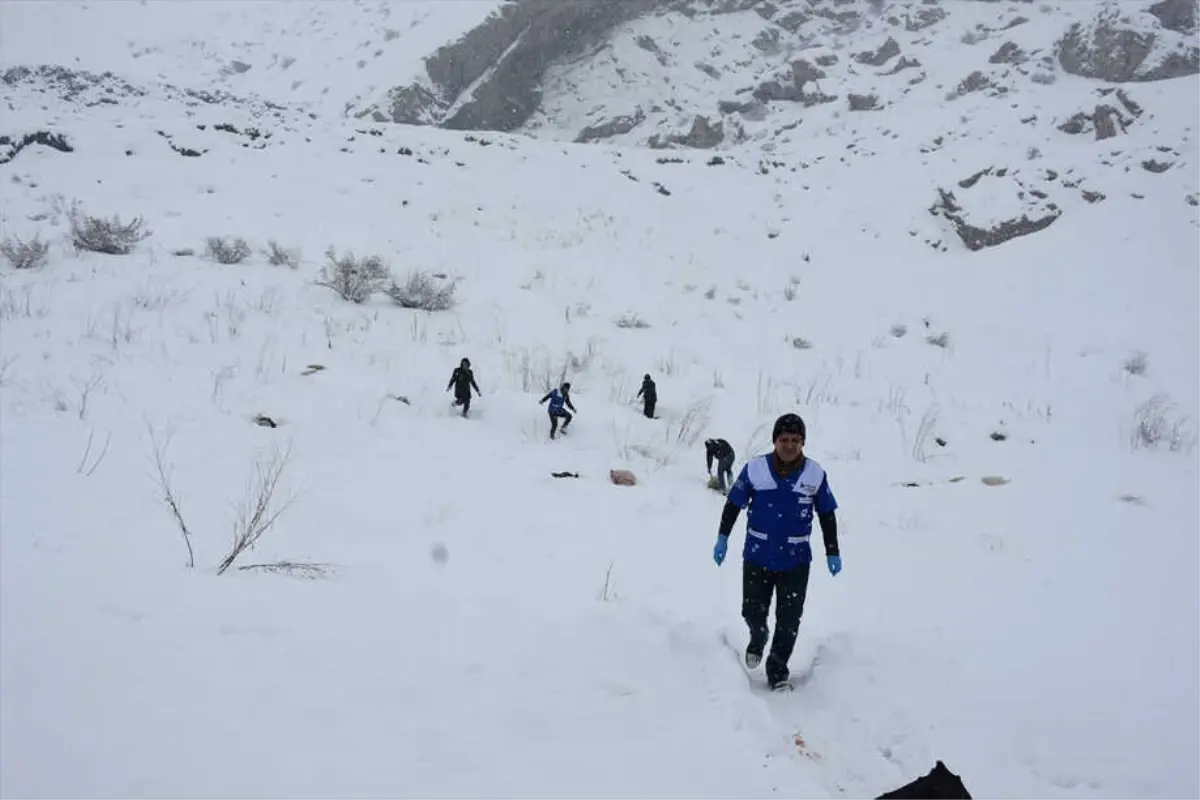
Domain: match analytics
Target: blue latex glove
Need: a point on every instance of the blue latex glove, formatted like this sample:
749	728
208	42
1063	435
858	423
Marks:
835	564
720	548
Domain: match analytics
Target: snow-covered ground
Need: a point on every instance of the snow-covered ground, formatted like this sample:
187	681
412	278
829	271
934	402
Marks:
483	628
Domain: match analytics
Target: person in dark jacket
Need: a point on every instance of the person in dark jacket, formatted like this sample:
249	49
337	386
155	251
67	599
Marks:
649	395
783	489
463	381
558	398
722	451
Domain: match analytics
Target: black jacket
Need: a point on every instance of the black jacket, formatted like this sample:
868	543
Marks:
648	390
718	449
463	379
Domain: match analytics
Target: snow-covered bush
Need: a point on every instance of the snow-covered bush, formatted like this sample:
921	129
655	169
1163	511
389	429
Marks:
225	250
279	257
1136	364
355	280
1155	424
631	320
108	236
25	254
423	291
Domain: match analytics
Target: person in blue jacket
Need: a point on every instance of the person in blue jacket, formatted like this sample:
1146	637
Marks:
558	398
783	489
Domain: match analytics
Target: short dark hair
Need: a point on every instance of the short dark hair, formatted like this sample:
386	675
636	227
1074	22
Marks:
789	423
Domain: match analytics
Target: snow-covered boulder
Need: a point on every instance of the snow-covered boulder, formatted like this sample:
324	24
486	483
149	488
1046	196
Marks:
1120	47
997	208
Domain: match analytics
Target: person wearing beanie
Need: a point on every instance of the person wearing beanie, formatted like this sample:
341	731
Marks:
783	490
463	381
649	395
558	398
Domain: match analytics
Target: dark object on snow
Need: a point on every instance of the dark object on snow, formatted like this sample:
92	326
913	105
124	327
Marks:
463	380
941	442
649	395
998	437
264	421
939	784
44	138
564	474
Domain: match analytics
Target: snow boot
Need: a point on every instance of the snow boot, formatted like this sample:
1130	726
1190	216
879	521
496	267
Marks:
753	659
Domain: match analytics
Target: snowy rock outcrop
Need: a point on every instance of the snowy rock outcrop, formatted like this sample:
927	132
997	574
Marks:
997	208
1106	120
718	73
490	79
704	134
1118	48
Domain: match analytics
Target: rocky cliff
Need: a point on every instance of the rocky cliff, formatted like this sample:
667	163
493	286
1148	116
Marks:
490	79
707	73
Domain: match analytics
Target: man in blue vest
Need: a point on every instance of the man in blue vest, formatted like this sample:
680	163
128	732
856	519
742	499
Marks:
783	490
558	398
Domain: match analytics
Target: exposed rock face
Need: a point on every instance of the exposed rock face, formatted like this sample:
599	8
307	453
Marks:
818	99
703	135
412	105
802	72
904	63
9	147
1111	49
775	90
881	55
1009	53
767	40
1036	214
793	21
1108	53
1107	120
752	110
493	77
502	61
976	82
1176	15
923	18
613	127
864	102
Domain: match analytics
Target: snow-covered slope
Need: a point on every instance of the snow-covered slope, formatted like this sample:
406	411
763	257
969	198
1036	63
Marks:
805	71
481	627
330	57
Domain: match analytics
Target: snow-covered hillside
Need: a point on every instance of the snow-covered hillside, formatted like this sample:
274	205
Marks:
328	57
1010	432
801	72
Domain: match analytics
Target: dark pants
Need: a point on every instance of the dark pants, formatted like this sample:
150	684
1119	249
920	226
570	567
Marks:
554	415
789	588
648	407
724	474
463	400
